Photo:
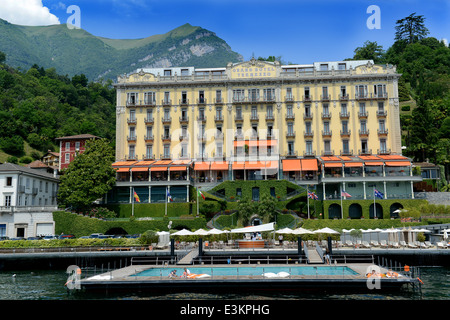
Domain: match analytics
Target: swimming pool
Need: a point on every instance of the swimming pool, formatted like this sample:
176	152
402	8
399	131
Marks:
252	271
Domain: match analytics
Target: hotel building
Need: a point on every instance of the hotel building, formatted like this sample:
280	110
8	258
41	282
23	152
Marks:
335	125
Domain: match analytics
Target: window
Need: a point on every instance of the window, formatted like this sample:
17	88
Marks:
184	149
149	98
382	126
326	127
290	127
383	147
132	98
326	110
238	113
46	187
8	181
149	132
238	192
269	130
218	113
254	114
289	94
67	145
167	151
184	99
341	66
363	127
131	152
324	92
361	91
218	96
201	96
379	90
307	96
149	114
67	158
269	111
345	147
269	94
309	150
289	111
255	193
344	126
184	72
307	110
238	95
364	146
166	132
132	133
362	109
7	201
290	148
184	114
308	127
167	97
253	94
166	114
344	109
343	91
380	108
77	145
327	146
219	149
324	67
167	73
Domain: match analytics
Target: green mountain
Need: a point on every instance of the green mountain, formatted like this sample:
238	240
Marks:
76	51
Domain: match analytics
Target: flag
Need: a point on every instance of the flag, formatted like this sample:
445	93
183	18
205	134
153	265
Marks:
169	197
312	195
136	197
345	194
378	194
201	194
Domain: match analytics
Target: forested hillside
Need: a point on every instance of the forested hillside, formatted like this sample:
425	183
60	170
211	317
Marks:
38	105
424	89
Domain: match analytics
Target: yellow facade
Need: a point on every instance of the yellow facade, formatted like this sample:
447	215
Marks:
327	108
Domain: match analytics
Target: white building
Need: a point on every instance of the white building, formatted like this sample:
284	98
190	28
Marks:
27	200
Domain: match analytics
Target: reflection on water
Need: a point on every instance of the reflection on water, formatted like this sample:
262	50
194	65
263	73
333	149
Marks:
49	285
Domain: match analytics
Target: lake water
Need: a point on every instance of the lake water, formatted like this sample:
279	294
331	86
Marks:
49	285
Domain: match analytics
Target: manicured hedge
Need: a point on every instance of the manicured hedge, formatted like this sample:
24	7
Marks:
174	209
77	225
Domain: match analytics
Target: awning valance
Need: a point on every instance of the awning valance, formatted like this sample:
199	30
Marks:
353	164
158	169
201	166
123	169
139	169
398	164
373	163
219	166
333	165
183	168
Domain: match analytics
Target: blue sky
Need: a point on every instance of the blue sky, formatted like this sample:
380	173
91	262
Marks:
301	31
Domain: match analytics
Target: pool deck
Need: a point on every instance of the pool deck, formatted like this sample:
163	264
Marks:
125	279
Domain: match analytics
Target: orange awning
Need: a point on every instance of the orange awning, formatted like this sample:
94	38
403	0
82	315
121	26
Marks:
162	162
238	165
309	165
201	166
123	169
271	164
158	169
219	165
123	163
292	165
398	164
254	165
353	164
178	168
333	165
139	169
373	163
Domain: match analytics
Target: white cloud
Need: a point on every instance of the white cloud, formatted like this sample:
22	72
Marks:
27	13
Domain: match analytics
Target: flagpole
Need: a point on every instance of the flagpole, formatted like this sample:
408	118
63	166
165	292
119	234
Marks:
198	205
132	203
342	208
166	202
307	198
374	205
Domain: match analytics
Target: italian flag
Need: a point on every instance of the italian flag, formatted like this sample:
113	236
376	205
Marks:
200	194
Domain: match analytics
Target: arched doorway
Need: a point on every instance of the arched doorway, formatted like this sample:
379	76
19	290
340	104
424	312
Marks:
393	210
255	221
334	211
377	213
355	211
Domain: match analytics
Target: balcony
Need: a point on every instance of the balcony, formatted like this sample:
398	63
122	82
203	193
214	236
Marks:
201	118
166	102
254	118
384	151
291	153
309	153
326	116
132	121
148	157
184	155
184	102
201	101
166	137
131	157
219	101
131	138
344	115
326	134
289	98
381	113
270	117
380	96
363	132
290	116
307	98
165	156
371	96
201	137
183	136
346	152
218	118
166	120
308	134
184	120
307	116
325	97
239	99
365	152
345	133
267	99
290	135
238	118
343	97
363	114
149	120
149	138
327	153
382	132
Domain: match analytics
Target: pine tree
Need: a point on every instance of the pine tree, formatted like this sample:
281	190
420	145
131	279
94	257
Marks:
411	29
